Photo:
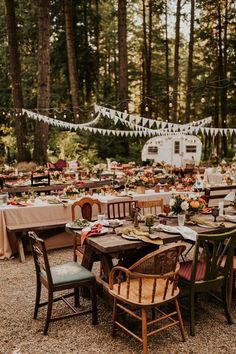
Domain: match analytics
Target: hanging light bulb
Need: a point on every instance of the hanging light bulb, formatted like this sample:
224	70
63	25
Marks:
125	110
64	116
77	115
203	100
170	105
146	108
55	116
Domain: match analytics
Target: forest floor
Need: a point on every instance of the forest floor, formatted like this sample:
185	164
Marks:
20	334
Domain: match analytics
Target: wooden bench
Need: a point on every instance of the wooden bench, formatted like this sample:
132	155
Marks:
20	230
217	193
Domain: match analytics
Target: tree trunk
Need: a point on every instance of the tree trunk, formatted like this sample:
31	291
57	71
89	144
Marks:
149	63
87	61
97	44
71	57
123	58
176	63
23	153
190	63
223	71
167	64
41	129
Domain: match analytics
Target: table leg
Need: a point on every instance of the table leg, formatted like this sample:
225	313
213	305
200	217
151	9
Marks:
107	265
20	246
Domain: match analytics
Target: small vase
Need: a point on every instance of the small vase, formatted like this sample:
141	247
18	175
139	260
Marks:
140	189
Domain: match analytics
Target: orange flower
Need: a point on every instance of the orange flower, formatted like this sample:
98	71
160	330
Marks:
194	204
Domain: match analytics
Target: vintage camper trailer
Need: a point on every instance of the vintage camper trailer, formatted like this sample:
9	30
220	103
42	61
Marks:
177	150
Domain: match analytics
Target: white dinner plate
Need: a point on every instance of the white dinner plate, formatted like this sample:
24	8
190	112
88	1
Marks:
129	237
71	225
231	218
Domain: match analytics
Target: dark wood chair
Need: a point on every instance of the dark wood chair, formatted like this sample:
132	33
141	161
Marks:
40	179
65	276
211	272
86	205
120	209
213	195
148	284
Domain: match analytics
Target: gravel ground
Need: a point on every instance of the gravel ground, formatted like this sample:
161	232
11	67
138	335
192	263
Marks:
20	334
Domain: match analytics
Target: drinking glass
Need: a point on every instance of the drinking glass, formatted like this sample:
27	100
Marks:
215	213
181	219
149	221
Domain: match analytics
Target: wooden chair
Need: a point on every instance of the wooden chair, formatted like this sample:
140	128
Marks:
65	276
150	206
148	284
86	206
120	209
205	275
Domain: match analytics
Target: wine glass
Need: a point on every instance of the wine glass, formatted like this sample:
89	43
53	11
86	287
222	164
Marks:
166	209
215	213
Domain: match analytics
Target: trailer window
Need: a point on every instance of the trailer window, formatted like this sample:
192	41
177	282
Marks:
177	147
153	149
191	148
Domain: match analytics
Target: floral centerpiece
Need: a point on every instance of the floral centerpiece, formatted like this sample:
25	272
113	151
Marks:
229	180
70	191
179	203
183	203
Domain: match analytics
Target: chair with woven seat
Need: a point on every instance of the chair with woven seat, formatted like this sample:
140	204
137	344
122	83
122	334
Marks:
148	284
208	273
86	205
70	275
150	206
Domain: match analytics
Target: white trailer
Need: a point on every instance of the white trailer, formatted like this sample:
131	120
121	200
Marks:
177	150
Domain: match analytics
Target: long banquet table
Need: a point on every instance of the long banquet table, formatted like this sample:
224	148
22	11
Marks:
42	212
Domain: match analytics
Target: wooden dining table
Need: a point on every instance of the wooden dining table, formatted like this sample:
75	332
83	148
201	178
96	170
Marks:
111	247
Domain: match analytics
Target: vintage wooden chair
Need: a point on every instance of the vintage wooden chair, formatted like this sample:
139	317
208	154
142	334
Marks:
148	284
210	273
86	205
70	275
120	209
150	206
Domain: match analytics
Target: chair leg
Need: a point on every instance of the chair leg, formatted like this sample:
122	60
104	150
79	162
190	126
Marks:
114	316
94	305
192	313
49	312
77	297
37	299
230	287
181	325
144	330
225	304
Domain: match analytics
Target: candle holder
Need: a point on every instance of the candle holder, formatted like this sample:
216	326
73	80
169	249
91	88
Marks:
215	213
166	209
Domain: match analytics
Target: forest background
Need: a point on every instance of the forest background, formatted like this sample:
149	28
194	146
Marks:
171	60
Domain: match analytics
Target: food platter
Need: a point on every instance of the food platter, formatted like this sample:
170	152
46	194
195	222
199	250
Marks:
78	224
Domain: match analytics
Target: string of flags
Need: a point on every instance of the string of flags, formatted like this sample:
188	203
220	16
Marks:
138	126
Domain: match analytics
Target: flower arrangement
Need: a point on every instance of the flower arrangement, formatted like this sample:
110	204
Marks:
188	181
196	204
179	203
171	180
183	203
229	180
70	190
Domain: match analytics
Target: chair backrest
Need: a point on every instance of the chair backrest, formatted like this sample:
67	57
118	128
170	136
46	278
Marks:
120	209
40	179
214	194
215	248
86	205
40	257
150	206
159	269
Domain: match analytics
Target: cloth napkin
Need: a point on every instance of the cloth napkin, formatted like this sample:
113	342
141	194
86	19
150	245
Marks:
94	230
19	204
186	232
